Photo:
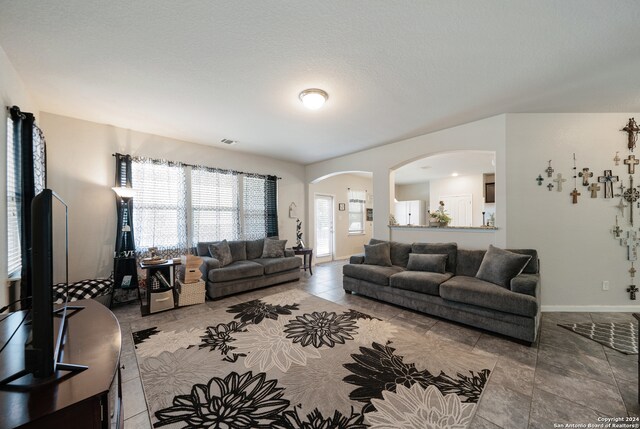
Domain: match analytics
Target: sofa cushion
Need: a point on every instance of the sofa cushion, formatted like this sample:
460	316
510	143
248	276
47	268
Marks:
419	281
371	273
202	248
254	248
531	267
238	250
236	270
278	265
430	263
499	266
222	252
468	262
449	249
474	291
399	252
273	248
377	254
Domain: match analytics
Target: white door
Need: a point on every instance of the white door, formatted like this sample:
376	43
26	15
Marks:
460	208
324	226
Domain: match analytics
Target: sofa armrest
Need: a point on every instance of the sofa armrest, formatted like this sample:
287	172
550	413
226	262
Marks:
528	284
208	264
357	259
288	253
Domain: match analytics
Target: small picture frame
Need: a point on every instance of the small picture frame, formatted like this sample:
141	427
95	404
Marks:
341	207
369	215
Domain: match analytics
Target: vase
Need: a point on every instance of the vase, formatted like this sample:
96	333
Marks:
443	224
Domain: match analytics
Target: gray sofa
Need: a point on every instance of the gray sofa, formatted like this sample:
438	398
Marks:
249	270
455	295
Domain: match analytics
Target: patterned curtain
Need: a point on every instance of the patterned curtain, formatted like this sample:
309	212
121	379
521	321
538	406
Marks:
271	205
160	218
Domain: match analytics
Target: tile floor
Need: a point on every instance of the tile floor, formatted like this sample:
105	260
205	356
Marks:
563	378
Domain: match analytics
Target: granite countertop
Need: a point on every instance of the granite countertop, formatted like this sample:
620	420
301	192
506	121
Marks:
444	228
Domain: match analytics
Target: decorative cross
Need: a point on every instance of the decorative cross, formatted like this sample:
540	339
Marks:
585	174
608	179
616	158
632	131
632	245
631	195
617	230
632	271
594	188
539	179
621	206
559	180
550	186
575	194
631	161
632	289
549	170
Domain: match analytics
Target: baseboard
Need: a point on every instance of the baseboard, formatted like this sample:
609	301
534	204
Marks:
592	308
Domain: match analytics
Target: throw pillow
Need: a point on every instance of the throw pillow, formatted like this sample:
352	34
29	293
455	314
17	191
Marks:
430	263
221	251
499	266
273	248
378	254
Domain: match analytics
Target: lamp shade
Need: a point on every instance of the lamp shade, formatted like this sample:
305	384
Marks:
124	192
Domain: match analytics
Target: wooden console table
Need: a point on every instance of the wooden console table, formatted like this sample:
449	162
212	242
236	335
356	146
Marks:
90	399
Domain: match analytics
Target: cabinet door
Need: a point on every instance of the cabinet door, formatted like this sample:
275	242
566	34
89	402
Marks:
401	213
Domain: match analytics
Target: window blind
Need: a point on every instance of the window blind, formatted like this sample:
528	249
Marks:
214	205
357	200
14	201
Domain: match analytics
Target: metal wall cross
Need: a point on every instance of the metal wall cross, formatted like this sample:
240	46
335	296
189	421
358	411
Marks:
608	179
631	161
631	195
616	158
559	180
549	170
594	188
575	194
616	229
631	241
585	174
550	186
539	179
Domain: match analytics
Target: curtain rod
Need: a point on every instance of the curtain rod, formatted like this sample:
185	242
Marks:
214	168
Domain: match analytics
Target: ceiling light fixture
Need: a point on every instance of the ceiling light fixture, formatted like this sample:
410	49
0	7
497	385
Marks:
313	98
454	174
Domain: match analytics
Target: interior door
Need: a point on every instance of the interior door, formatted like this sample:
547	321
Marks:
460	208
324	226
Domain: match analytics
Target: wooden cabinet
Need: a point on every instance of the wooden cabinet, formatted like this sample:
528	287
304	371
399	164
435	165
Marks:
411	212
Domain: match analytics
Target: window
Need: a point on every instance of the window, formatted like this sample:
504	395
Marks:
214	203
356	211
14	201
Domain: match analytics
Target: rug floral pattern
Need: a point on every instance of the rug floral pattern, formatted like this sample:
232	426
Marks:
293	360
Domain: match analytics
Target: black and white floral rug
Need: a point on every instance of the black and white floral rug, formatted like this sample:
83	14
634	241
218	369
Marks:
293	360
620	336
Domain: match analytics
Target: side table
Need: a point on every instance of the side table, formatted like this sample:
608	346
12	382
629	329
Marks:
307	255
157	291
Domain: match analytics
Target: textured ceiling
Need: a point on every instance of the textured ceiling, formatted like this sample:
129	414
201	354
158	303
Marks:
205	70
465	163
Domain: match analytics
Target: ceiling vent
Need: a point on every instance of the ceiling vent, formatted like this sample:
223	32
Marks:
228	141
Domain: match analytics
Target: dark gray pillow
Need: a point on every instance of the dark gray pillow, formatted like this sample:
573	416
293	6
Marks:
238	250
254	248
430	263
222	252
499	266
378	254
273	248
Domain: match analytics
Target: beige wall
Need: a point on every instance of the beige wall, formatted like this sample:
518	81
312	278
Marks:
337	186
413	191
12	92
81	169
461	185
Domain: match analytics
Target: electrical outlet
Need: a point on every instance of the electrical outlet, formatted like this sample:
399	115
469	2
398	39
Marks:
605	285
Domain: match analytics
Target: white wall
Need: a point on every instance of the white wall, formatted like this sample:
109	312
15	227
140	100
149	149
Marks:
337	186
82	170
487	134
12	92
461	185
413	191
577	249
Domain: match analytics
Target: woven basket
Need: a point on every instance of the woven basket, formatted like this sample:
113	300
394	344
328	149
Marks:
190	293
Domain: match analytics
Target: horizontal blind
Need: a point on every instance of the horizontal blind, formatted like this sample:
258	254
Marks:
14	201
214	204
357	200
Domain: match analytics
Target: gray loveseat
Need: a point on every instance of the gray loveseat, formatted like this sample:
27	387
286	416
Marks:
456	294
249	270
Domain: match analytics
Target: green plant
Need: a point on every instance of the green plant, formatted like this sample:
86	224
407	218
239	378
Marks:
440	215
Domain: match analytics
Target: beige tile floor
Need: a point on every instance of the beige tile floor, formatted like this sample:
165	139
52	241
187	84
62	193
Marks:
563	378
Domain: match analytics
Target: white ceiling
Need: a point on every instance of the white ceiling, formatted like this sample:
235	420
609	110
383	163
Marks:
205	70
465	163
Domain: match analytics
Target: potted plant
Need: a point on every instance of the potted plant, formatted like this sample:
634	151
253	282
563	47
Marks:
440	216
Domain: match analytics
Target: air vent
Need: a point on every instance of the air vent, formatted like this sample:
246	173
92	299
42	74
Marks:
228	141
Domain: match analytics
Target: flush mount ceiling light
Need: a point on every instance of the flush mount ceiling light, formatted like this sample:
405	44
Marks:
313	98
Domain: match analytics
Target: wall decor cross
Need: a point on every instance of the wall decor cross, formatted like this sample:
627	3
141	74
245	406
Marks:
631	161
608	179
616	229
585	174
550	186
631	195
632	131
632	271
631	241
549	170
594	188
621	206
632	289
559	180
539	179
616	158
575	194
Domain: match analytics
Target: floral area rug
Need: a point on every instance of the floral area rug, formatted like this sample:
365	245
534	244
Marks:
293	360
